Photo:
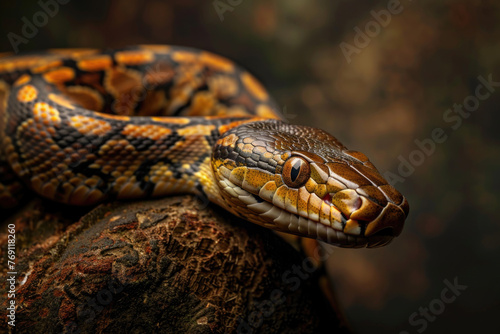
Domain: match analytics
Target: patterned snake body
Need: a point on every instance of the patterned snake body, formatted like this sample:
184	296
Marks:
67	132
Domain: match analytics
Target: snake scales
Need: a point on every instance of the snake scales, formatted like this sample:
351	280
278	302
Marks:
201	125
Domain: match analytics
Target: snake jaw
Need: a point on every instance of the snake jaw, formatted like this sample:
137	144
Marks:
303	181
349	232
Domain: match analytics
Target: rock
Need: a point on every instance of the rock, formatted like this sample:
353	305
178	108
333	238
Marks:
169	265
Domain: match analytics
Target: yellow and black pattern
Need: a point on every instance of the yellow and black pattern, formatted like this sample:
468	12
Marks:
84	126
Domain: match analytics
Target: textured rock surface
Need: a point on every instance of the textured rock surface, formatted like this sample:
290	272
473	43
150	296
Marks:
169	265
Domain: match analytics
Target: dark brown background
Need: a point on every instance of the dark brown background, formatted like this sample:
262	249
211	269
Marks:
393	92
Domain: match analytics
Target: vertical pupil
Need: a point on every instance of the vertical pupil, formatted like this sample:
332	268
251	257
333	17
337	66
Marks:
294	173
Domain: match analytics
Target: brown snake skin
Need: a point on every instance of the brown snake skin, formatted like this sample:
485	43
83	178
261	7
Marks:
201	125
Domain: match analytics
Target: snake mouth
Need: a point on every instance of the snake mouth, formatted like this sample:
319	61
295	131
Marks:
296	224
361	220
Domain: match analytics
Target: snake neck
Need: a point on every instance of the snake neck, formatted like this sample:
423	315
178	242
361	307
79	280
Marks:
55	142
75	156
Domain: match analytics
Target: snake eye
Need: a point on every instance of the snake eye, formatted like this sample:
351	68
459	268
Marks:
296	172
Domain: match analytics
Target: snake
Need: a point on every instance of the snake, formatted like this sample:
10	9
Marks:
85	126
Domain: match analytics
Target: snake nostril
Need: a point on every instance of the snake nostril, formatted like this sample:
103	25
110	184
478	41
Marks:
373	194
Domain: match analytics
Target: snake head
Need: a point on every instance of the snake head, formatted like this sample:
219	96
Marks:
302	180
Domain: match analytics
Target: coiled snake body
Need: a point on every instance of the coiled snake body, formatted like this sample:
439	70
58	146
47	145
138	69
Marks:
203	125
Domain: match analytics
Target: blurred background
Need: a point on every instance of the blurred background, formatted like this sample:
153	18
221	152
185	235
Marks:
379	75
